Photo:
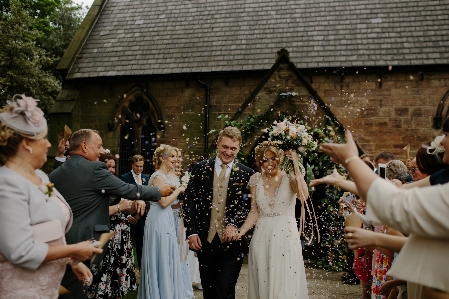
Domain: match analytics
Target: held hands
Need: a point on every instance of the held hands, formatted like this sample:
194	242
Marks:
167	190
231	233
340	152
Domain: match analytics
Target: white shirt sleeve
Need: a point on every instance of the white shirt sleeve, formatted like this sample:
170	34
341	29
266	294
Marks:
421	211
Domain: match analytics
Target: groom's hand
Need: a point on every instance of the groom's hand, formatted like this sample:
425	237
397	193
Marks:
231	233
195	242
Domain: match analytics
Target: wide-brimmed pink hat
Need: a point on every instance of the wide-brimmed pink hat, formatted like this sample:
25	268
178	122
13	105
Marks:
25	118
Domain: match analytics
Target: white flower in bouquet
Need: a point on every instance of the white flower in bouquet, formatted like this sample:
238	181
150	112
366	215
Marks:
185	179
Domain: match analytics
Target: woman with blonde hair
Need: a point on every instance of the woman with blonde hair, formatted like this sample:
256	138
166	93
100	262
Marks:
161	272
34	216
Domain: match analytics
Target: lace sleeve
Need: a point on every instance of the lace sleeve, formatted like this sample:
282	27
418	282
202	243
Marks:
254	179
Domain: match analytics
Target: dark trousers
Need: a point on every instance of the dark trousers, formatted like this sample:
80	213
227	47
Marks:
137	233
219	270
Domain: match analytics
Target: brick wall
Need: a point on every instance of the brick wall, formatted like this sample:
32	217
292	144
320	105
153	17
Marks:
384	115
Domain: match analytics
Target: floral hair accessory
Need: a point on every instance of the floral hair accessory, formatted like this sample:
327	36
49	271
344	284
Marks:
435	146
24	117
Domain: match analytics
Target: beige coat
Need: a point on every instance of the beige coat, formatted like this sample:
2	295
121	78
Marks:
422	213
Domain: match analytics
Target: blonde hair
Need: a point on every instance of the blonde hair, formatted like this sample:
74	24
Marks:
10	139
261	150
162	152
231	132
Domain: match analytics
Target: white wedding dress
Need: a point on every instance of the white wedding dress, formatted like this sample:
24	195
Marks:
276	268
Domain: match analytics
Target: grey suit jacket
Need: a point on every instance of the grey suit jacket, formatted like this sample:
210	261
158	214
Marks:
86	186
23	205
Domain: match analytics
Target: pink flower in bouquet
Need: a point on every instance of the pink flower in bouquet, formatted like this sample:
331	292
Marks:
279	128
292	131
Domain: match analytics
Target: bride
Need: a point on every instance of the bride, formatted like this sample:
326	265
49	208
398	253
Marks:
275	264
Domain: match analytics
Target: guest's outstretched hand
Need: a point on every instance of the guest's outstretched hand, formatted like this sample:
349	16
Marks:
359	237
340	152
328	179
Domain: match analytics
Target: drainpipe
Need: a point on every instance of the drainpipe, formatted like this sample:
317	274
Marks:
206	116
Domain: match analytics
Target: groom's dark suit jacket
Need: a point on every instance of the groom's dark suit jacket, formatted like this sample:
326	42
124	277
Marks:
198	201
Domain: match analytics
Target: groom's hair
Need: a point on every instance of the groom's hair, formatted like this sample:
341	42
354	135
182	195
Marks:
231	132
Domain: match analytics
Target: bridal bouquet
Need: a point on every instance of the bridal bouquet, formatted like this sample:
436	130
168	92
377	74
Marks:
292	136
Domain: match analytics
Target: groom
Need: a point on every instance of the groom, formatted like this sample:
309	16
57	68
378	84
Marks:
216	204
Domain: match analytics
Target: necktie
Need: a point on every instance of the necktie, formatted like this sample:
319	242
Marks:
138	181
223	172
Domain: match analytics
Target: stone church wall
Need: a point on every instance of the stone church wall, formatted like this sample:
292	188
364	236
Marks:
385	115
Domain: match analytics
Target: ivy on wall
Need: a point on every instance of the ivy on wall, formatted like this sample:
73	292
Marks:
332	249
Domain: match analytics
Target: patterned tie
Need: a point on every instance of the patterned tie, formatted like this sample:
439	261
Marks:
222	175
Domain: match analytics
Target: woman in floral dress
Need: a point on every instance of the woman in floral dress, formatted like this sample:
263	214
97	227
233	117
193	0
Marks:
114	277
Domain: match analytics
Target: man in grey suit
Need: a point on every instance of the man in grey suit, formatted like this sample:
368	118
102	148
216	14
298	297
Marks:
86	185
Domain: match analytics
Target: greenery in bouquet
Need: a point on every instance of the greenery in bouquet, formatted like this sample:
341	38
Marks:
291	136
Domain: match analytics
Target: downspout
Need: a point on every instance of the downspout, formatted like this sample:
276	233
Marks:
206	114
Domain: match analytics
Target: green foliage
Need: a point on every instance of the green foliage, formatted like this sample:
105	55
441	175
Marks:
333	248
34	35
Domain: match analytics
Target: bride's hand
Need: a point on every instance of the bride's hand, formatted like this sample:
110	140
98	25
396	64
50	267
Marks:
328	179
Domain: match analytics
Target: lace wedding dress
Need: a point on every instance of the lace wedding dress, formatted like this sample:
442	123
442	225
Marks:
276	268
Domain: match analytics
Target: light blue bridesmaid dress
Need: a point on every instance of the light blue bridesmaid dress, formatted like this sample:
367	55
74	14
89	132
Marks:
161	273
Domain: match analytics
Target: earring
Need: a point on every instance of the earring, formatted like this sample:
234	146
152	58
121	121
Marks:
31	150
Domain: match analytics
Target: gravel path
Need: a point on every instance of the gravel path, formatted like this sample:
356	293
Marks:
321	285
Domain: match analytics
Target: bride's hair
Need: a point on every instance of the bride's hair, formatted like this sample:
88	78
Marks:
162	152
262	148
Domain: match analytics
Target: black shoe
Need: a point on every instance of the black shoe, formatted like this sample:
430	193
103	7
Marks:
345	276
351	280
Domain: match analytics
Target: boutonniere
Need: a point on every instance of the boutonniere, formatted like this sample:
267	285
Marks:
143	180
47	189
235	167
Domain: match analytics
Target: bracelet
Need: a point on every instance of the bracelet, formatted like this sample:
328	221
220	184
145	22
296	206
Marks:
350	159
337	182
118	208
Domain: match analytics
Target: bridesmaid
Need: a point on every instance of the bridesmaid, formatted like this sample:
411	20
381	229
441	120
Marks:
161	273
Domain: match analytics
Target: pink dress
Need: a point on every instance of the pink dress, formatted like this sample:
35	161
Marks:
17	282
